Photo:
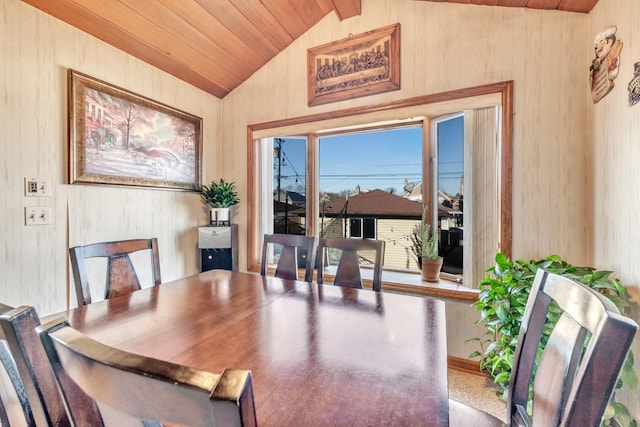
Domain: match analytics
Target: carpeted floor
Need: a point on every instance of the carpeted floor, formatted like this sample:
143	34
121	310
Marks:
477	391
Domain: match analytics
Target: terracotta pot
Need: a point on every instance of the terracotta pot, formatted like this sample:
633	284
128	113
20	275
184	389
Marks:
431	269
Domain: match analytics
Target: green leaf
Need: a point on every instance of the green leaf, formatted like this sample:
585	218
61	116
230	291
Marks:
502	377
555	258
621	290
501	258
599	275
502	310
609	413
604	285
628	375
491	347
621	414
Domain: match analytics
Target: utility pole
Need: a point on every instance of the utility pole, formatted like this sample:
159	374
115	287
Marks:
279	142
346	204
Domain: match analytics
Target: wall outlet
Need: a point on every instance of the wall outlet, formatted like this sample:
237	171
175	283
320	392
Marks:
37	187
37	215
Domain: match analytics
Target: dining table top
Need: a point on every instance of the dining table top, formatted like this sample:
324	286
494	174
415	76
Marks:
320	355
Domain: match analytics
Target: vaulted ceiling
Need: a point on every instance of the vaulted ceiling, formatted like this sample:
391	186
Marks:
216	45
581	6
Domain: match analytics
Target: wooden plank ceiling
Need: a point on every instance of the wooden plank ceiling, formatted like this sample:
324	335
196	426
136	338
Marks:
581	6
216	45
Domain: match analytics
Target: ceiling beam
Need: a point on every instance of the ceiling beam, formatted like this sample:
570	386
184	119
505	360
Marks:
347	8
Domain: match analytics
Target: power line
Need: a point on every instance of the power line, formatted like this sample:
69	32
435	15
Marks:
373	175
290	163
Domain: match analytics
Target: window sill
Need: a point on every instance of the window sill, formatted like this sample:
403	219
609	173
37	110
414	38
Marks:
410	283
413	284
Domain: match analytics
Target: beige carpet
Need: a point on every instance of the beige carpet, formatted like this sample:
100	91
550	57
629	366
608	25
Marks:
477	391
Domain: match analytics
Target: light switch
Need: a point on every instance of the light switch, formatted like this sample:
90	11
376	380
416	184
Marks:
37	187
37	215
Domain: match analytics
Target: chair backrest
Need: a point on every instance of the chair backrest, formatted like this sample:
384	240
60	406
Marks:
27	364
290	245
143	388
15	407
578	369
348	270
121	275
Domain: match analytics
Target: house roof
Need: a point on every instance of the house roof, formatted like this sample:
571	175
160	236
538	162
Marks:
282	207
377	203
296	197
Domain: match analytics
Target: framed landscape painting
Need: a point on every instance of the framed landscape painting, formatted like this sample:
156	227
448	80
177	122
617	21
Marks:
119	138
360	65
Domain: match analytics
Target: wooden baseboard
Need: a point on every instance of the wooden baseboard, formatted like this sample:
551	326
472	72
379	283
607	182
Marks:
464	365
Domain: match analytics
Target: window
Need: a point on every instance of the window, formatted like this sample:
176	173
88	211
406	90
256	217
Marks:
289	185
486	173
368	183
363	228
448	149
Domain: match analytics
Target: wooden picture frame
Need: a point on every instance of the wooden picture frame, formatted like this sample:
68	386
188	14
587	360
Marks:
119	138
360	65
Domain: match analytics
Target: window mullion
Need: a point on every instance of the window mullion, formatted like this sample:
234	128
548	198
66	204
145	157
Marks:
312	178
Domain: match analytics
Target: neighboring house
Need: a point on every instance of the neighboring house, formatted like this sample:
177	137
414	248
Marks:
412	191
291	197
381	215
289	218
375	214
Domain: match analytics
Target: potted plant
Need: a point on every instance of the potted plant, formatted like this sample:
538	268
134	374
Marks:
425	249
431	261
502	300
220	196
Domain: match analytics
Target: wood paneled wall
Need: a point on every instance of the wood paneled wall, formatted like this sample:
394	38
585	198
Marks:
37	50
614	166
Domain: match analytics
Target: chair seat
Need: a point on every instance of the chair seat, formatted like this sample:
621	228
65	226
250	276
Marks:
461	415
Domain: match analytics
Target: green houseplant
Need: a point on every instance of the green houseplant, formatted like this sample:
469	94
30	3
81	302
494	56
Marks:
220	196
425	249
502	300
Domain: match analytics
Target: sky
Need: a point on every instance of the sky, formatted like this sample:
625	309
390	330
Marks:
380	159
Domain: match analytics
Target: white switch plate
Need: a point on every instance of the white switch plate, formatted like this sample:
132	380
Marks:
37	187
37	215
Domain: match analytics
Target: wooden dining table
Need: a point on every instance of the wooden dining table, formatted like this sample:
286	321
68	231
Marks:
320	355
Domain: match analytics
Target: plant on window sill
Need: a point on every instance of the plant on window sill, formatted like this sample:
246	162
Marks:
502	301
425	248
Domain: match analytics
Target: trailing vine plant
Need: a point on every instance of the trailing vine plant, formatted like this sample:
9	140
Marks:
502	301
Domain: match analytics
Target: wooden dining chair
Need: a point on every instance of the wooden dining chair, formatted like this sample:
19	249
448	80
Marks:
121	274
26	363
577	371
348	268
15	407
290	246
134	387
